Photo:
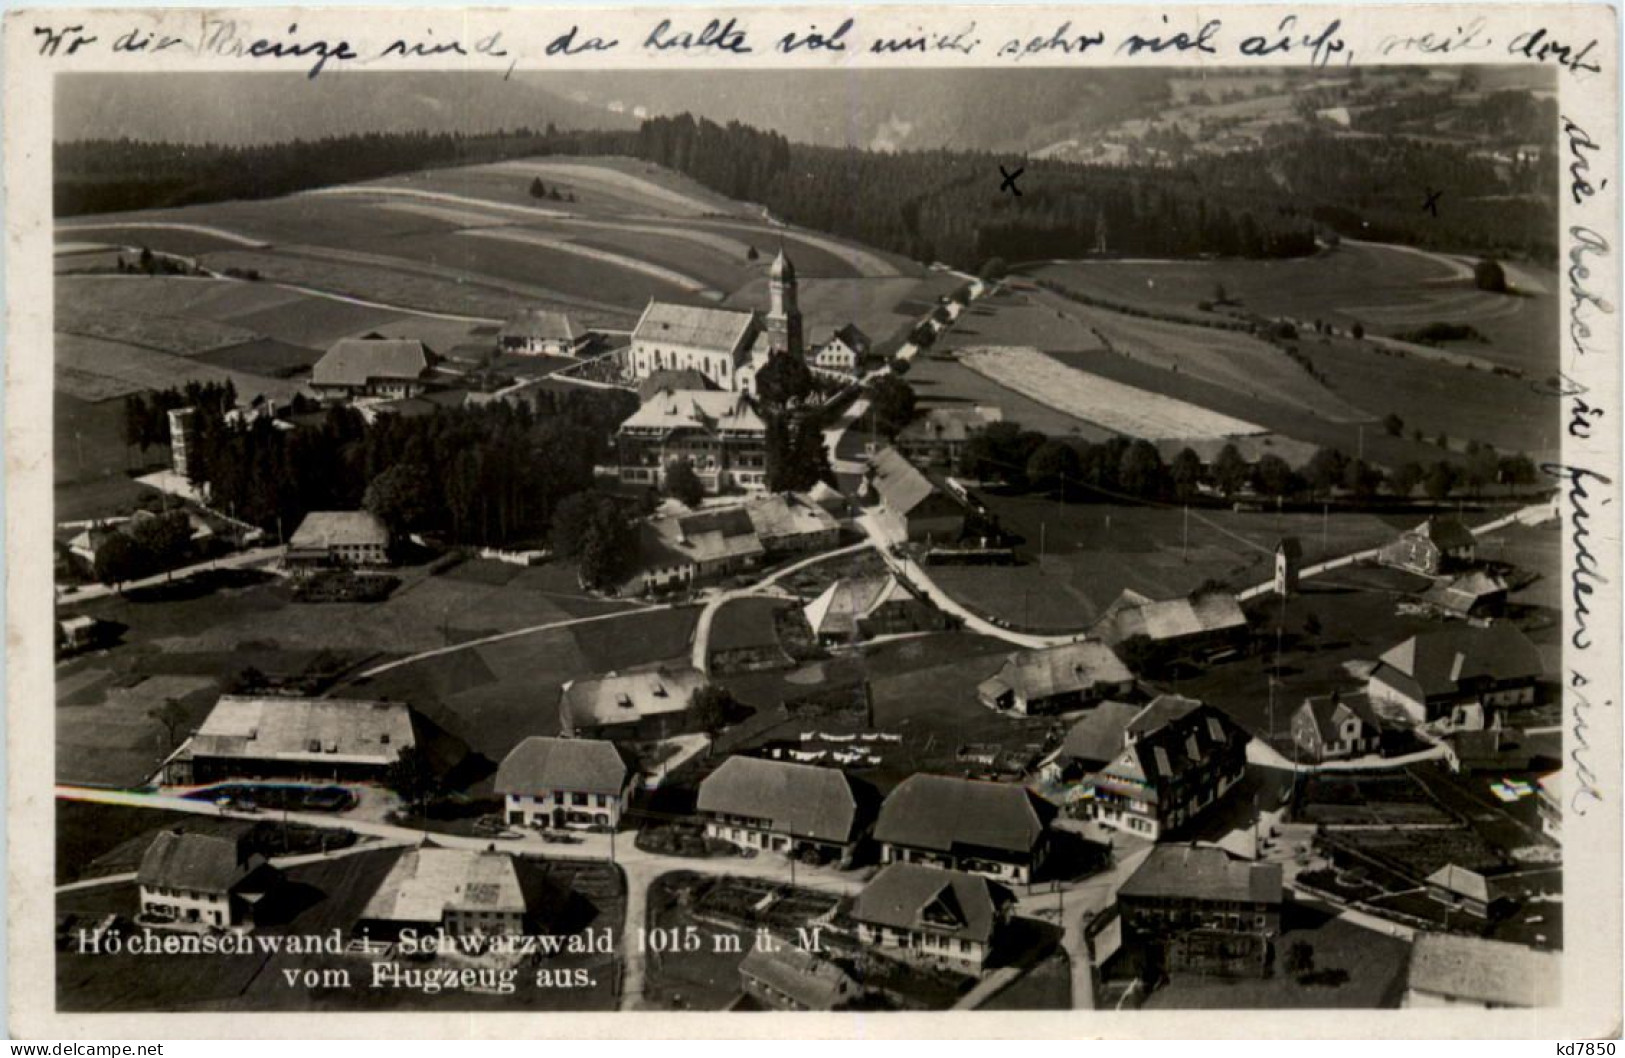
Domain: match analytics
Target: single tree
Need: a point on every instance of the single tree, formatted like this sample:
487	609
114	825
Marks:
1442	477
711	707
412	778
891	404
1186	474
171	716
400	497
1273	477
1053	466
994	269
1300	958
1230	470
751	253
1394	425
1326	469
1488	275
537	188
1405	478
682	484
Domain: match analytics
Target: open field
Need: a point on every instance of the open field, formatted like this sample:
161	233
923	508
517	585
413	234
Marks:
1122	409
613	185
940	379
1242	378
1091	552
167	334
96	370
1234	361
264	356
171	237
1389	289
1465	405
185	644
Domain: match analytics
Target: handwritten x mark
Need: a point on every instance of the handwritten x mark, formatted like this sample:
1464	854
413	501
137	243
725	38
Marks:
1010	180
1432	204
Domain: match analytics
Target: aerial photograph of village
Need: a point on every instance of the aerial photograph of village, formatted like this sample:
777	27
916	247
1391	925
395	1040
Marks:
807	540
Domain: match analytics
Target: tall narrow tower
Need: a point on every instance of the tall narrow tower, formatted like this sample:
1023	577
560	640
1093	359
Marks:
784	314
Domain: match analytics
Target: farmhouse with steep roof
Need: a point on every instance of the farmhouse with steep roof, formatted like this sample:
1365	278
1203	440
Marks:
565	782
781	806
296	738
989	828
1436	546
373	367
910	507
924	912
1056	679
1461	673
541	332
209	879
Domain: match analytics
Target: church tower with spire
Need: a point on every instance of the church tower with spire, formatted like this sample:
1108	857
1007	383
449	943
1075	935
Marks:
784	314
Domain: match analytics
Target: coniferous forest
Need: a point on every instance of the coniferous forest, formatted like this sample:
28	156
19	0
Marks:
1273	200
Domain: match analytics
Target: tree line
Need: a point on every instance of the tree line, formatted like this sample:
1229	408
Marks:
490	475
1277	199
1134	469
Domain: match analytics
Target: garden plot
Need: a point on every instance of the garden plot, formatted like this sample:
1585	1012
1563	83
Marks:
1124	409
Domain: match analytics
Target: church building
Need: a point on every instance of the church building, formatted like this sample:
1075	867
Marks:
727	346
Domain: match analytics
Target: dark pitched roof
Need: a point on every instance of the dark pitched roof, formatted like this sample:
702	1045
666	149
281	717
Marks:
1203	873
900	484
1291	546
1446	533
1098	737
1328	711
540	325
799	799
939	812
205	863
722	330
916	897
855	339
815	983
353	361
686	379
541	763
1171	736
1064	669
1169	619
326	529
1437	662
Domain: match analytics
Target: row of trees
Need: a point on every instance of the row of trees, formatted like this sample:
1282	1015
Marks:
1134	469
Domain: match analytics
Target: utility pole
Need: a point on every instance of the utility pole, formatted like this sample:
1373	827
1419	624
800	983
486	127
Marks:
1325	519
1185	543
